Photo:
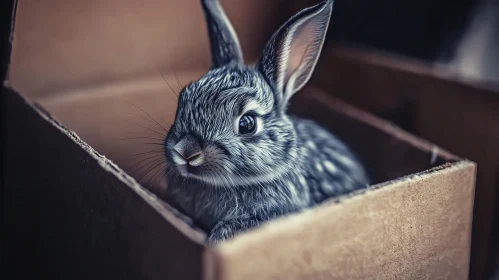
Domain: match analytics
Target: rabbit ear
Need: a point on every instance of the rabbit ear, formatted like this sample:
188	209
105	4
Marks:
224	44
290	56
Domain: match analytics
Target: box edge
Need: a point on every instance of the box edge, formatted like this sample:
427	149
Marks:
170	214
252	235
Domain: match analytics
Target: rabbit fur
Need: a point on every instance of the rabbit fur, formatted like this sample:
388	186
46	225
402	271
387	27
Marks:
228	181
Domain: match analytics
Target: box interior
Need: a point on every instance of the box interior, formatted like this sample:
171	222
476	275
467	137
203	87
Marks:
127	124
436	103
88	208
113	91
65	44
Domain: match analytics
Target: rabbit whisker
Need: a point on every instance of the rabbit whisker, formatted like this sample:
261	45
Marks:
156	175
147	128
142	137
154	151
153	121
147	163
151	118
178	80
151	167
176	94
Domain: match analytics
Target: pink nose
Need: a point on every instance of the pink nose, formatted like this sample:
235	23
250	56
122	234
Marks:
188	147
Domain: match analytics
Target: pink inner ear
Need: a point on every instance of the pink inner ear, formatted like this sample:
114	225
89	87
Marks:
303	49
302	39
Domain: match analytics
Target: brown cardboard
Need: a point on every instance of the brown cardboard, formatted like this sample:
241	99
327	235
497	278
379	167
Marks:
451	110
73	212
69	44
436	204
389	233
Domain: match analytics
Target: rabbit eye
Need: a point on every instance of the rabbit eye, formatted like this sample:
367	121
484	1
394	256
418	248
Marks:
247	124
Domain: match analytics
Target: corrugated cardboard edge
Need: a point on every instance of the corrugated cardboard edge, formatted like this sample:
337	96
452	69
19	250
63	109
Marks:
214	256
172	216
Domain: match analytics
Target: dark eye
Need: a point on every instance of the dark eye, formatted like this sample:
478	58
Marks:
247	124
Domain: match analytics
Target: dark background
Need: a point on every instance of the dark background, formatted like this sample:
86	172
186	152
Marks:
425	29
5	25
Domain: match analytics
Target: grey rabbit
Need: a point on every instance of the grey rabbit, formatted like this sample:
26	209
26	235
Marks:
234	157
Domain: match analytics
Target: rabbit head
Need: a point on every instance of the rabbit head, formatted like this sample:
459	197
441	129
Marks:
231	126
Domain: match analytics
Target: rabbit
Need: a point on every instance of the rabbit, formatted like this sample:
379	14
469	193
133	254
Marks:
235	158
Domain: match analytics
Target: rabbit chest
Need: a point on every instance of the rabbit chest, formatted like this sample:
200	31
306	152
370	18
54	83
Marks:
208	205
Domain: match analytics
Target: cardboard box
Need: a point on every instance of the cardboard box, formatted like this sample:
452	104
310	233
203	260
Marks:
437	103
73	213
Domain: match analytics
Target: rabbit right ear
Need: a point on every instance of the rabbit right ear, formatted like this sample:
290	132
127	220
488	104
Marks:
289	58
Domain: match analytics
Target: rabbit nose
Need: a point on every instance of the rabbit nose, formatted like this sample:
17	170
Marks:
189	148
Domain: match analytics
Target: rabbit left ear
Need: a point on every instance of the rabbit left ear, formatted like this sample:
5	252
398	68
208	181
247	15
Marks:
289	58
225	48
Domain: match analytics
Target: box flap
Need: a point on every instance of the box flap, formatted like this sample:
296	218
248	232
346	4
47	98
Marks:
73	214
438	104
61	44
400	226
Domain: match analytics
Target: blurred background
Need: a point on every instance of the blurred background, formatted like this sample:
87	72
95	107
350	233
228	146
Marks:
400	50
460	33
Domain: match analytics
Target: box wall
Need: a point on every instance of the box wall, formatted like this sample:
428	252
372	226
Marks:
64	189
414	228
448	111
63	44
68	217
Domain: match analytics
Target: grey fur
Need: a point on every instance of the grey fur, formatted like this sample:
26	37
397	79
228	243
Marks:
224	44
241	181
